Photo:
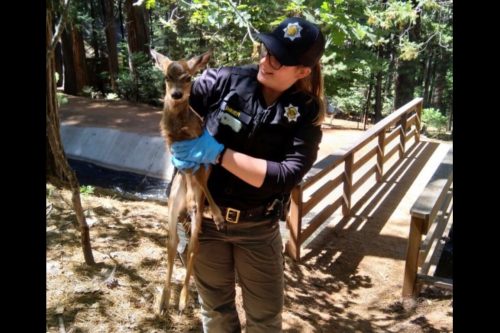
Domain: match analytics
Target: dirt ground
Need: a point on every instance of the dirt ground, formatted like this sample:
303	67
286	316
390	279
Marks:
346	283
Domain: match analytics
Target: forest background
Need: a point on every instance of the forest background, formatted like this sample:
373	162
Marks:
379	54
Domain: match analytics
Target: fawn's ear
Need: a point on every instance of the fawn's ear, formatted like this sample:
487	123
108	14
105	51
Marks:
161	61
198	62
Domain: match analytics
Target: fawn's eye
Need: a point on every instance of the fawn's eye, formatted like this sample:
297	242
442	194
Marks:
185	78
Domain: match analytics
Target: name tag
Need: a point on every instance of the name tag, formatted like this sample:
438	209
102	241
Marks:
230	121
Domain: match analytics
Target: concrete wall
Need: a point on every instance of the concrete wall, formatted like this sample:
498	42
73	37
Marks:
117	150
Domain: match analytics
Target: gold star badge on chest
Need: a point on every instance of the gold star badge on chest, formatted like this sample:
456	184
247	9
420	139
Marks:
292	112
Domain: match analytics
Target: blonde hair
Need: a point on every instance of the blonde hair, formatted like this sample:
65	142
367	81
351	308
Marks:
312	85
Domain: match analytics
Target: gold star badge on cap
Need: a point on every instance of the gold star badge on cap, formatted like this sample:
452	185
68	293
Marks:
292	112
292	31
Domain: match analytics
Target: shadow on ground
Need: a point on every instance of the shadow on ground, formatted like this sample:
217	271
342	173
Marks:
330	268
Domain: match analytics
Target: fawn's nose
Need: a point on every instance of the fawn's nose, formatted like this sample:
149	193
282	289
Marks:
176	95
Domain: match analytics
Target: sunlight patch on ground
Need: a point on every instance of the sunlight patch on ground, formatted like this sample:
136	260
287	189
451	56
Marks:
380	200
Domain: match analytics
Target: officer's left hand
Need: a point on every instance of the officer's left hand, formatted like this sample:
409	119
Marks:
184	165
201	150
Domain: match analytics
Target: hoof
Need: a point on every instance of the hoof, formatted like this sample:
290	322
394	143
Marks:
183	299
219	221
164	302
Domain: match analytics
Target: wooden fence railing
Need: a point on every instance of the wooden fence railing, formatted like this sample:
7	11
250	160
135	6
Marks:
431	215
401	126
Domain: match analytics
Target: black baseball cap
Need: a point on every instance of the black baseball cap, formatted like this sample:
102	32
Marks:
294	42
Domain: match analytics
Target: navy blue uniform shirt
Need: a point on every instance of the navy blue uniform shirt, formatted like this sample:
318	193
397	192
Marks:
235	113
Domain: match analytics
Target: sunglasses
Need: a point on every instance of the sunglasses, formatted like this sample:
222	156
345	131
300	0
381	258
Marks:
273	62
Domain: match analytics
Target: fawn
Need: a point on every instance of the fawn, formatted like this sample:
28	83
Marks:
189	188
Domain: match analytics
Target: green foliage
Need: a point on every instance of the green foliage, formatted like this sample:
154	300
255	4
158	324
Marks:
149	4
295	6
61	99
87	189
145	85
387	106
432	118
363	38
395	15
88	91
409	50
49	190
351	100
112	97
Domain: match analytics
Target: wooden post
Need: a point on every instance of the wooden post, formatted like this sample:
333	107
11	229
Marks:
411	265
380	156
294	224
402	135
346	203
418	123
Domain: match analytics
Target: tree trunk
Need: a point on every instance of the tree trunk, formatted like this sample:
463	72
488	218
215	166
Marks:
59	65
75	67
432	82
449	128
441	84
405	80
56	156
367	104
427	79
110	29
69	64
389	79
120	14
137	38
381	54
378	97
79	58
95	67
137	30
405	83
95	40
421	70
389	53
150	24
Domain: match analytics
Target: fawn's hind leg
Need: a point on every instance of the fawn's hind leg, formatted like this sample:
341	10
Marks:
202	178
195	208
176	205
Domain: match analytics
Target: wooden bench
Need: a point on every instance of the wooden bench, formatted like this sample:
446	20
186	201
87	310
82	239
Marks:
432	217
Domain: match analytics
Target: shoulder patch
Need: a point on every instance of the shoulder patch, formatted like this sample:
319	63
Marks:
248	70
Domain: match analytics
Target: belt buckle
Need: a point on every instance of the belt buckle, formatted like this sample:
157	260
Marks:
232	215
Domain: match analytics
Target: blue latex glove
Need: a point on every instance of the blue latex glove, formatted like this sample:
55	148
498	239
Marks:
201	150
184	165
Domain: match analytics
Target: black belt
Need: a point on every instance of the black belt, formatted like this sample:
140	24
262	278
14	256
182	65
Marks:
233	215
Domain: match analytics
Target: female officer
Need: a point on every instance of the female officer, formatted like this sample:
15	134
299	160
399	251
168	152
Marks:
262	136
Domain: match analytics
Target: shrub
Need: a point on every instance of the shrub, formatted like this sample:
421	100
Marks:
86	189
61	99
433	119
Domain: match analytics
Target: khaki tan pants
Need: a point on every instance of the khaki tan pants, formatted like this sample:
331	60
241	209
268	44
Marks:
253	251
